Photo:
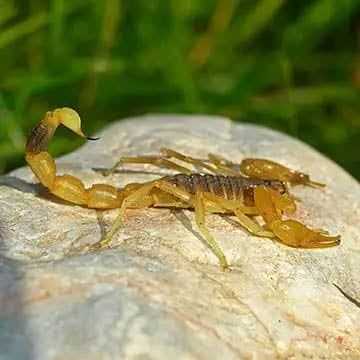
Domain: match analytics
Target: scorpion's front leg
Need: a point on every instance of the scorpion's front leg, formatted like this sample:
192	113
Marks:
289	232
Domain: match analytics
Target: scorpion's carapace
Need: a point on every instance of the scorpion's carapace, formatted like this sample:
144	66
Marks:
218	188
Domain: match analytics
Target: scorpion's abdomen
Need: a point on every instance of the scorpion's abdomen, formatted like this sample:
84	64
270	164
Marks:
227	187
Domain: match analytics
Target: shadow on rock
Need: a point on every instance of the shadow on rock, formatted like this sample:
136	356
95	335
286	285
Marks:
15	333
20	184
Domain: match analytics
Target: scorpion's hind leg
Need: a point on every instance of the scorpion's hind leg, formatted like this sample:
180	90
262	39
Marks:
200	208
159	161
138	197
177	194
197	163
290	232
270	170
164	161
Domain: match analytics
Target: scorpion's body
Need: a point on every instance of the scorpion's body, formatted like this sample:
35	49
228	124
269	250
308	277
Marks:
237	188
256	187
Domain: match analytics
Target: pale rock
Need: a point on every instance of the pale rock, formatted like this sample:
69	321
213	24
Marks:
159	292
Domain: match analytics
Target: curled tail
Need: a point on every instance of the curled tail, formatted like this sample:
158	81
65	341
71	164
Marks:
66	187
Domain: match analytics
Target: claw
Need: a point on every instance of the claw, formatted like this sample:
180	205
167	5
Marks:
289	232
295	234
270	170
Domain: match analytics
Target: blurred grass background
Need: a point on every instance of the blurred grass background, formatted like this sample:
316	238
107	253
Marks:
290	65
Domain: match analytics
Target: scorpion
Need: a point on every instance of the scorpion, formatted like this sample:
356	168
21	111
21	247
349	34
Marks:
255	188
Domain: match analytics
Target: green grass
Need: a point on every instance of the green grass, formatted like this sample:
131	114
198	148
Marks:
290	65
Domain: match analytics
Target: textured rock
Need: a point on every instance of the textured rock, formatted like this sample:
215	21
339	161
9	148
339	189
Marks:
159	292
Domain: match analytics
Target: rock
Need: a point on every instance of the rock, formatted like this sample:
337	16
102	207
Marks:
159	292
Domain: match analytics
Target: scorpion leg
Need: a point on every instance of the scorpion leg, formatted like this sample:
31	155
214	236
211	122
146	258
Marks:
270	170
169	153
159	161
214	164
290	232
134	196
240	212
227	167
178	194
230	205
199	205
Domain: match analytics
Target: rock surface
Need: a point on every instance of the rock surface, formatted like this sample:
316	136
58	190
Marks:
159	292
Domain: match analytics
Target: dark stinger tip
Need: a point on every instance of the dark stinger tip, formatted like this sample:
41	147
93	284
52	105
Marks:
92	138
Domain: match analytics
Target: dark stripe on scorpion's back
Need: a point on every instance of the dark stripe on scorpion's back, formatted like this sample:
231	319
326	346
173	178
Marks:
38	139
227	187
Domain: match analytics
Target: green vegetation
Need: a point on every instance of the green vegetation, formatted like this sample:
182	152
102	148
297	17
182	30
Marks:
291	65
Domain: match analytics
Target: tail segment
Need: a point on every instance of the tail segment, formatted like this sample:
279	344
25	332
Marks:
66	187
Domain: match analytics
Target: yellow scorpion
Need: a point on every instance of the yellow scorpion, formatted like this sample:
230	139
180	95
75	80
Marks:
255	187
